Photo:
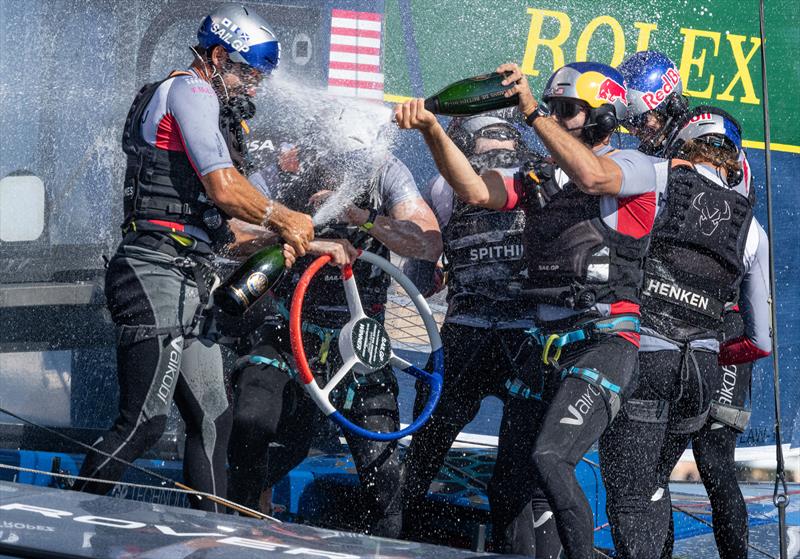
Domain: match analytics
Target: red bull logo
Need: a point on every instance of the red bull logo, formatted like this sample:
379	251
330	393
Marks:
668	83
611	91
700	117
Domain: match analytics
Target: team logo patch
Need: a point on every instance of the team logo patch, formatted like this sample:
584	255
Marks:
710	217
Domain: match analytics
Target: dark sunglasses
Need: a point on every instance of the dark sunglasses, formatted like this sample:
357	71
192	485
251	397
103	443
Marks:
564	108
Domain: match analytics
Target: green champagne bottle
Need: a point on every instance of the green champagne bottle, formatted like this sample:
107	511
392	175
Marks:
472	96
250	281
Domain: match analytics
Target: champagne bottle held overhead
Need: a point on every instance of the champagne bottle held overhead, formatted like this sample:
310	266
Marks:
472	96
250	281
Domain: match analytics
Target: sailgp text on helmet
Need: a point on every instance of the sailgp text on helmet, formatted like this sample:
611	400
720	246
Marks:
244	35
655	98
597	87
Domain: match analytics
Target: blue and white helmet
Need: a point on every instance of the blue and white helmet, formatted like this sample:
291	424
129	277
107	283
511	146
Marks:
244	35
652	79
711	125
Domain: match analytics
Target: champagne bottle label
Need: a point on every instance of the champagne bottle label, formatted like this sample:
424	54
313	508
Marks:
257	284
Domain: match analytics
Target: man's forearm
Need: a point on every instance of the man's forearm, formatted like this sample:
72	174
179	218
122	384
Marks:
234	194
455	167
592	174
249	238
406	238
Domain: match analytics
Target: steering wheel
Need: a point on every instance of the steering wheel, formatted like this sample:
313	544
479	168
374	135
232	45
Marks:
365	346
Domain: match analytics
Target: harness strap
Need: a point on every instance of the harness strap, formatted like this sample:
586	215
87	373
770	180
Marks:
608	389
518	389
732	416
589	331
267	362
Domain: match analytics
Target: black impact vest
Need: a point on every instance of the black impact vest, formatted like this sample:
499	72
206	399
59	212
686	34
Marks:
483	248
163	185
695	265
574	259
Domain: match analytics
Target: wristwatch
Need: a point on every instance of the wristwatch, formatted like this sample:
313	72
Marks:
541	110
370	223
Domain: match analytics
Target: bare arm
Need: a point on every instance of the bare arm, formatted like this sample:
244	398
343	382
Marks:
452	164
592	174
234	194
410	229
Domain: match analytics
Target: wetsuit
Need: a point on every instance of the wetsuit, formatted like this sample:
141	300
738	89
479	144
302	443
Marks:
157	283
271	408
556	411
679	354
482	332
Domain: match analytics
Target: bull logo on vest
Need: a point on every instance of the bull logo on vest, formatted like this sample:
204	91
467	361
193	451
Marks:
710	217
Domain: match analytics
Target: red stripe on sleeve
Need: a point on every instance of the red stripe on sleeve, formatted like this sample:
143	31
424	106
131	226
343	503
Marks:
636	214
168	134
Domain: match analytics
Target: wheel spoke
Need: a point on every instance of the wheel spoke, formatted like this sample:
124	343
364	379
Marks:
340	374
351	292
409	368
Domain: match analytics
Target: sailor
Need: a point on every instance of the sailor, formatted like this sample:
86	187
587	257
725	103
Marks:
655	104
486	317
707	251
183	184
588	220
387	215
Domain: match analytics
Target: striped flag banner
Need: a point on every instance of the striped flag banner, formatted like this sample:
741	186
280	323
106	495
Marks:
355	56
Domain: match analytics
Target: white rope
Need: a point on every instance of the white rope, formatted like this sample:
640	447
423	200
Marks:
139	486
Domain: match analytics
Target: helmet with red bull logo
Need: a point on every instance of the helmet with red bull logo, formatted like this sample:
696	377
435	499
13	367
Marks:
599	86
244	35
653	81
709	124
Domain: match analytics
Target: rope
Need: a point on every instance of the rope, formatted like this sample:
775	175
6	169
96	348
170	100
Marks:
780	497
214	498
710	525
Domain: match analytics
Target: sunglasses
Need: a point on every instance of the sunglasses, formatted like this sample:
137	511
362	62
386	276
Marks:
565	109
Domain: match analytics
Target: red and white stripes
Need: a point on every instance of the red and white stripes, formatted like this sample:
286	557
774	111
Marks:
355	56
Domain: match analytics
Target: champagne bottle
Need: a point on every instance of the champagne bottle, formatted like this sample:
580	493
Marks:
250	281
472	96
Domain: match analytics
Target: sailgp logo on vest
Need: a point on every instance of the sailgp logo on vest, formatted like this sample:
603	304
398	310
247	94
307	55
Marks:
710	217
677	293
581	408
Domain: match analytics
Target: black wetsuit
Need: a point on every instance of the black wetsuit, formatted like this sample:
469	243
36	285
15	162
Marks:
483	331
157	284
714	447
584	255
682	322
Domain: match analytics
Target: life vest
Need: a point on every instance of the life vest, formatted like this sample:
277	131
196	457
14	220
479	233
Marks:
695	264
574	259
483	248
162	186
